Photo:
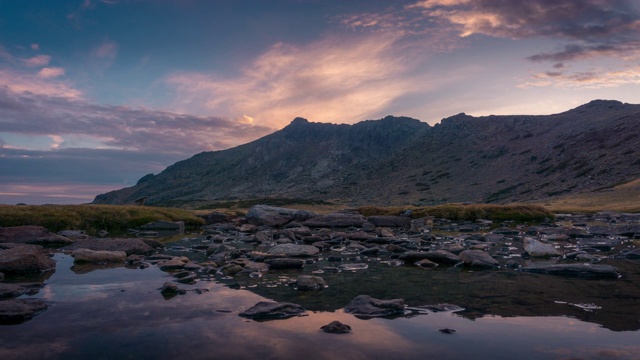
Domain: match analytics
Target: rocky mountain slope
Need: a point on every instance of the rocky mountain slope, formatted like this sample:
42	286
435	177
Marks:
398	160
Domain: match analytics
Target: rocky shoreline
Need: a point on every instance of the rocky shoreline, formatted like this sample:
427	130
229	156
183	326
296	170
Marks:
309	248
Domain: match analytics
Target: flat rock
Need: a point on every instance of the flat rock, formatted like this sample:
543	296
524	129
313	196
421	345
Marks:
266	310
310	283
365	306
31	235
98	256
11	290
294	250
478	259
390	221
575	270
336	327
25	259
129	246
537	248
18	310
275	216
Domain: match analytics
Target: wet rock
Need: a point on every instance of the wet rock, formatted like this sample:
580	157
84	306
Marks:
284	263
31	235
76	234
25	259
231	269
98	257
294	250
337	220
447	331
248	228
370	252
252	267
153	243
170	289
189	279
134	259
478	259
365	306
633	254
576	270
173	264
130	246
437	256
536	248
512	264
11	290
310	283
336	327
275	216
426	264
18	310
390	221
266	310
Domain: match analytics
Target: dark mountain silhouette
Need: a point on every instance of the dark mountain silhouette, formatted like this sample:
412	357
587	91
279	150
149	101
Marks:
399	160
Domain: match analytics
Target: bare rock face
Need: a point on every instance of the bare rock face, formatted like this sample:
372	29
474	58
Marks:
275	216
31	235
98	257
266	310
367	307
26	259
129	246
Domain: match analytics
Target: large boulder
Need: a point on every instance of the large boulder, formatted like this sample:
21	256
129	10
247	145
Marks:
129	246
478	259
537	248
389	221
25	259
98	257
294	250
275	216
18	310
575	270
337	219
365	306
265	310
31	235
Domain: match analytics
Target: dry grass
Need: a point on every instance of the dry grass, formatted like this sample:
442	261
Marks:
623	198
91	218
466	212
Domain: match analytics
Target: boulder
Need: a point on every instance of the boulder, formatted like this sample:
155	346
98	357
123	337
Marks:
390	221
426	264
437	256
336	327
310	283
31	235
265	310
537	248
11	290
173	264
478	259
575	270
129	246
284	263
170	289
294	250
98	257
338	219
364	306
18	310
25	259
275	216
633	254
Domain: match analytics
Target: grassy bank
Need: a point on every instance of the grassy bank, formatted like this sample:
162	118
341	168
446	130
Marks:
91	218
623	197
466	212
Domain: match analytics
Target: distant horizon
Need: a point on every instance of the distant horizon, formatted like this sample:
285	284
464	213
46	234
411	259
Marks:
95	94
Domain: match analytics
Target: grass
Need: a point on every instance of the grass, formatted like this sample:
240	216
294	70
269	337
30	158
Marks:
466	212
91	218
621	197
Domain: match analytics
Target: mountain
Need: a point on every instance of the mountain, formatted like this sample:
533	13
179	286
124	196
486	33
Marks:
399	160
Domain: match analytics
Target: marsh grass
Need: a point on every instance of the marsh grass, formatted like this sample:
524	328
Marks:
91	218
470	212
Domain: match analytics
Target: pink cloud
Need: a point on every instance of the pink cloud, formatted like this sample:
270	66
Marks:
51	72
107	50
37	61
20	82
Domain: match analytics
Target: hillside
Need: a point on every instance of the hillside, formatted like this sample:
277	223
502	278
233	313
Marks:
398	160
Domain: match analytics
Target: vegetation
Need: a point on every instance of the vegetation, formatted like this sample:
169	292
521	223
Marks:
91	218
623	197
247	203
466	212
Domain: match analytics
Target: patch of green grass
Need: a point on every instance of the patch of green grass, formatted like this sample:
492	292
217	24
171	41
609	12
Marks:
466	212
91	218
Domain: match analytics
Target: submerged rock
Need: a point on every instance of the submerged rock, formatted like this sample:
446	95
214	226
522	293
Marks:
576	270
336	327
266	310
18	310
25	259
365	306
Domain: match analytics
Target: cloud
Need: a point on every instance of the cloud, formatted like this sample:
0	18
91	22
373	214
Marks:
37	61
19	82
35	46
592	79
108	49
51	72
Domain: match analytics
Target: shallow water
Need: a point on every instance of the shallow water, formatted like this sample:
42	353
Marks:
107	313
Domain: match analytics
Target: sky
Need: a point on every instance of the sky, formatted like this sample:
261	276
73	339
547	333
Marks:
95	94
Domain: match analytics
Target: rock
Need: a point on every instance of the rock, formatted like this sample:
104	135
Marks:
284	263
390	221
1	276
173	264
437	256
575	270
18	310
275	216
338	219
536	248
365	306
163	225
231	269
73	234
98	257
248	228
266	310
447	331
633	254
31	235
478	259
310	283
252	267
130	246
170	289
25	259
336	327
294	250
11	290
425	264
153	243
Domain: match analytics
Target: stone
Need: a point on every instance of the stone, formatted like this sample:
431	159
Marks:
265	310
1	276
338	219
364	306
294	250
425	264
18	310
310	283
284	263
437	256
252	267
31	235
73	233
633	254
130	246
11	290
170	289
153	243
576	270
248	228
275	216
173	264
98	257
478	259
536	248
390	221
25	259
336	327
